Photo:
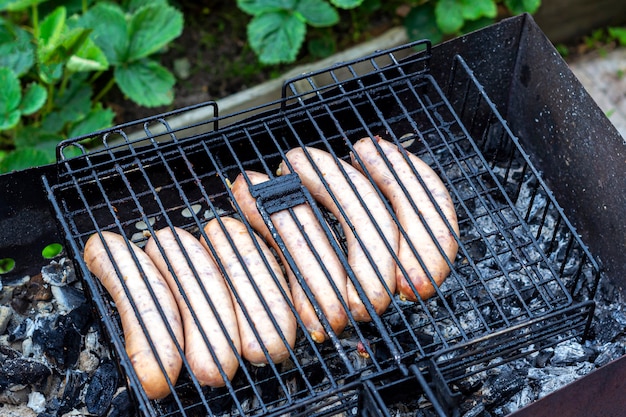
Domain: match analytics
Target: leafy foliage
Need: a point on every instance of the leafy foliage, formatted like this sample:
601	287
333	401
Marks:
53	70
278	28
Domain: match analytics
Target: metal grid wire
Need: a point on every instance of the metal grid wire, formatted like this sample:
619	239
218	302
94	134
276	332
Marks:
520	268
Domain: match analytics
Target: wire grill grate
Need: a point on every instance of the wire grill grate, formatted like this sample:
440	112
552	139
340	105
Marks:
522	275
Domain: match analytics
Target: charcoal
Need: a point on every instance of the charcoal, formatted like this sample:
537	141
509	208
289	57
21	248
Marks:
101	389
70	396
121	406
23	330
500	387
608	324
68	298
570	352
60	341
80	318
543	358
610	353
59	273
19	371
477	411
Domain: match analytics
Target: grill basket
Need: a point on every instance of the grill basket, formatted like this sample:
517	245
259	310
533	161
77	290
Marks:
522	280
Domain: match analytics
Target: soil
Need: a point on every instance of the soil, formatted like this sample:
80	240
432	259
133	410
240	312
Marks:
212	58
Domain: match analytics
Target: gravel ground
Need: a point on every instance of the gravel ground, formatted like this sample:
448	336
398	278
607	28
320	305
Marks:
604	77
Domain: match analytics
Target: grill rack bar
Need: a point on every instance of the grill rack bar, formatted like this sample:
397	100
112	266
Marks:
363	105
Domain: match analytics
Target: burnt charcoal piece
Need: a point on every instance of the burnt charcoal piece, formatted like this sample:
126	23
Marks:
68	297
608	324
22	371
21	331
102	388
543	358
70	398
61	340
500	387
59	273
266	383
121	406
613	352
60	343
80	318
570	353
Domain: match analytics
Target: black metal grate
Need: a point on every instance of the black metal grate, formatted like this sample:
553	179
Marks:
522	275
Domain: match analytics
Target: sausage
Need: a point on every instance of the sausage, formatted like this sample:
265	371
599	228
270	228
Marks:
422	241
303	255
209	277
265	280
356	215
142	357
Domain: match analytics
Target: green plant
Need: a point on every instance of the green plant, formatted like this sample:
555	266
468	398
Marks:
55	71
278	27
435	19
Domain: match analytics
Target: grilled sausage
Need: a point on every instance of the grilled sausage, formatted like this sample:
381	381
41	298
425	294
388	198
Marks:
341	188
425	247
254	270
138	348
209	277
303	255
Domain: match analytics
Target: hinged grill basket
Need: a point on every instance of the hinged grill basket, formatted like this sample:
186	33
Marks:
522	279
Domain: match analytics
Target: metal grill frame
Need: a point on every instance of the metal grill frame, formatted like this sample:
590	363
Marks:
232	147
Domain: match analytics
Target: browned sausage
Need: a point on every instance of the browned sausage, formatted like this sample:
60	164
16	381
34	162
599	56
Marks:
209	277
141	355
358	216
425	246
270	335
303	256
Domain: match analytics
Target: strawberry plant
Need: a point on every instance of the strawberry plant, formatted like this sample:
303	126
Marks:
54	69
436	19
278	28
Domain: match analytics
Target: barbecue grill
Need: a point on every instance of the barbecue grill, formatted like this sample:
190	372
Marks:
527	268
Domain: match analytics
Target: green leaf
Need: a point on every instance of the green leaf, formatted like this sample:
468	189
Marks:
34	98
109	30
10	97
420	24
474	9
522	6
51	27
346	4
97	119
151	28
322	47
17	49
18	5
618	34
37	138
472	25
88	58
259	7
50	73
24	158
276	37
145	82
449	15
72	106
318	13
132	5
